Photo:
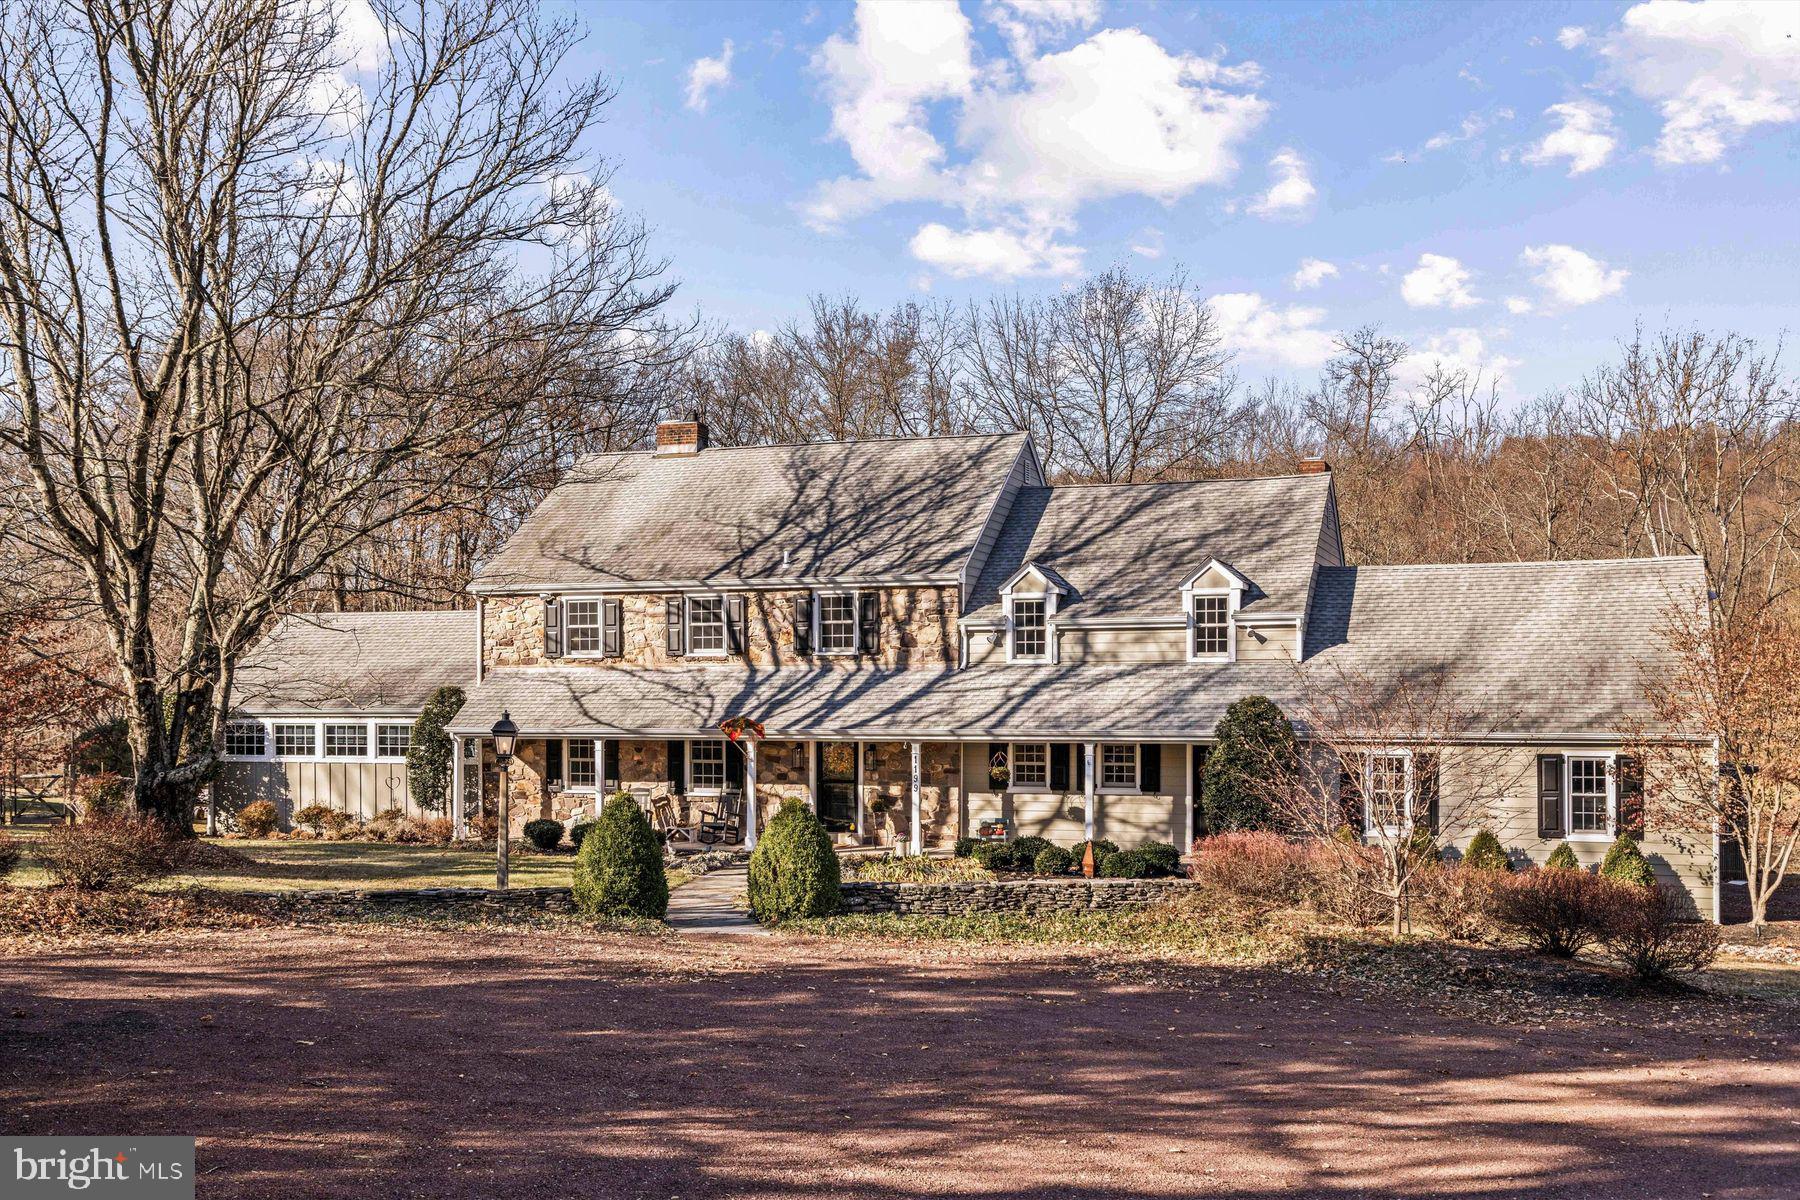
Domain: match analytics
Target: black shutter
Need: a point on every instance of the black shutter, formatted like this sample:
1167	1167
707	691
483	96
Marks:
678	768
1630	790
609	752
1150	768
734	624
998	756
612	628
1550	800
1079	750
553	629
553	761
1425	782
1059	767
675	610
1350	799
734	766
803	619
869	621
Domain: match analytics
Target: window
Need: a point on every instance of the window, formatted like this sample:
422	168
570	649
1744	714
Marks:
295	741
706	766
1590	800
244	739
837	623
1212	626
581	626
346	741
1389	800
580	758
1028	628
1119	766
1030	765
706	624
392	740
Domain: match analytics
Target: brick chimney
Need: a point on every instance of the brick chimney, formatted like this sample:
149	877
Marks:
1314	466
680	439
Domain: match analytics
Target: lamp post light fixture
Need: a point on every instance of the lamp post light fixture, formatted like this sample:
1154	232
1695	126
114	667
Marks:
506	738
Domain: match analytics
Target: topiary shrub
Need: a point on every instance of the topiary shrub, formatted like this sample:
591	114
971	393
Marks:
1102	848
9	856
1562	859
1022	852
965	847
314	817
1051	860
1485	853
578	831
1253	744
1646	931
1553	912
793	871
995	856
1125	864
619	869
1163	858
105	852
431	753
257	819
545	834
1625	863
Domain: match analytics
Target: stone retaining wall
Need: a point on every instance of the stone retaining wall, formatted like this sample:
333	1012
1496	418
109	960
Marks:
347	902
1008	896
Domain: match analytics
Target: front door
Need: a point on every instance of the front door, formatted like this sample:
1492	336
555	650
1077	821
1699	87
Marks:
837	786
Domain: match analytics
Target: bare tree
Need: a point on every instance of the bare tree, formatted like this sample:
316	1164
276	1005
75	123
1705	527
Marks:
266	299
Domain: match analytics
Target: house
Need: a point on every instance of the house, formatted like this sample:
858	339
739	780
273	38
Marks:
934	638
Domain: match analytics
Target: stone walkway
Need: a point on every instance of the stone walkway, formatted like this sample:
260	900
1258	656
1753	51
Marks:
704	908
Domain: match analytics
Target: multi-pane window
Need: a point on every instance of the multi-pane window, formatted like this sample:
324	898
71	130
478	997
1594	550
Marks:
346	741
1385	787
581	626
1212	627
392	740
1119	765
244	738
1028	629
1030	764
837	623
295	741
706	624
581	763
1587	796
706	766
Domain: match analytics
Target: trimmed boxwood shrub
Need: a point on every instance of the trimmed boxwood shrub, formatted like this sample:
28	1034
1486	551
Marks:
794	872
1102	848
995	856
1562	859
965	846
545	834
1022	852
619	870
1253	743
1163	858
1125	864
257	819
1485	853
1625	863
578	831
1051	860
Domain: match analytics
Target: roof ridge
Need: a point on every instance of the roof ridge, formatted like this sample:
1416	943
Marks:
1529	562
1139	483
649	451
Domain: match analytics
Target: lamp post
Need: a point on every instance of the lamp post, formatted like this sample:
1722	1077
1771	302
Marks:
506	736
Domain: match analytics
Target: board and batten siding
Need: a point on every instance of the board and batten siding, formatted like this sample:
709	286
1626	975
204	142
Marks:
1128	820
362	789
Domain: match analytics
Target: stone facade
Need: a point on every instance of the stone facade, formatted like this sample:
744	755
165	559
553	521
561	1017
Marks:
887	787
781	774
1029	896
918	629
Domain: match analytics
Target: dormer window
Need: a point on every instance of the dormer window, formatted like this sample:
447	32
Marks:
1031	598
1029	640
1210	598
1212	626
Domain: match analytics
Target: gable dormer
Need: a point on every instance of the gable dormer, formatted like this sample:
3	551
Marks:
1210	599
1028	600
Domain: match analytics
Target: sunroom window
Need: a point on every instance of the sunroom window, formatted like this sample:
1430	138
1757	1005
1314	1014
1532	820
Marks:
1028	629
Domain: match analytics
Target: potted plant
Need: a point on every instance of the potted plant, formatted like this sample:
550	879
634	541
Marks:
1000	776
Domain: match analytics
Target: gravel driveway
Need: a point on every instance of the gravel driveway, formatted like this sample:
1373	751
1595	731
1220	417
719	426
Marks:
387	1062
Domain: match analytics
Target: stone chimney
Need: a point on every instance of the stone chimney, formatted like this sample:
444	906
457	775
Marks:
680	439
1314	466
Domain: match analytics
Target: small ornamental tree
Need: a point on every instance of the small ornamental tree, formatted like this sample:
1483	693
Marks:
619	868
1485	853
794	871
1562	859
430	755
1253	743
1625	863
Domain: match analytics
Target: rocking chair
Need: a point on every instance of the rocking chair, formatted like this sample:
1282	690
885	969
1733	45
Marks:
725	822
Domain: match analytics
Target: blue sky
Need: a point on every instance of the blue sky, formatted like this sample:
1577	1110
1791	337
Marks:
1506	186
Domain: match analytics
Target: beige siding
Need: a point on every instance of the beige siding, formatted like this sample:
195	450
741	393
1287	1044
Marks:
1128	820
1279	643
362	789
1122	645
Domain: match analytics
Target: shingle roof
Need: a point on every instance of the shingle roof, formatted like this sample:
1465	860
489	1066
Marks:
344	662
1125	548
906	508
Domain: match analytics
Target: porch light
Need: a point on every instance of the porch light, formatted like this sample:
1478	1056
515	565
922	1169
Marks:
506	735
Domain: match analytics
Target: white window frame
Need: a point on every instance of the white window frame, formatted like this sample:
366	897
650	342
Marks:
268	741
569	784
695	787
1012	767
1611	759
314	733
1409	788
1137	770
818	629
1193	625
368	743
687	610
599	627
1233	592
375	728
1048	600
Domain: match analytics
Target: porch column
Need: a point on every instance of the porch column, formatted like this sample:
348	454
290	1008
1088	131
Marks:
1088	756
1187	841
457	788
859	795
918	818
812	775
749	793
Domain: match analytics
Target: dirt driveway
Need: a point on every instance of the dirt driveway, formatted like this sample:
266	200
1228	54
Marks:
394	1063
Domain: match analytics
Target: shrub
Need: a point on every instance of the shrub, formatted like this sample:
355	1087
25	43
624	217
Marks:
793	871
438	830
9	856
1051	860
1125	864
430	754
1343	882
340	826
105	852
619	869
1562	859
1645	931
314	817
1264	869
1553	912
995	856
1253	742
104	795
1454	899
965	847
1163	858
1625	863
912	868
1102	848
103	749
1023	852
258	819
544	834
1485	853
578	831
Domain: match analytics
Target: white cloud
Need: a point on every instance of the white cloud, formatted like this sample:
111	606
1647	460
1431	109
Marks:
1584	135
1292	192
1459	349
359	44
1149	242
1023	22
994	253
1438	282
1518	306
1468	129
1571	278
1258	330
707	76
1716	69
1571	36
1312	273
